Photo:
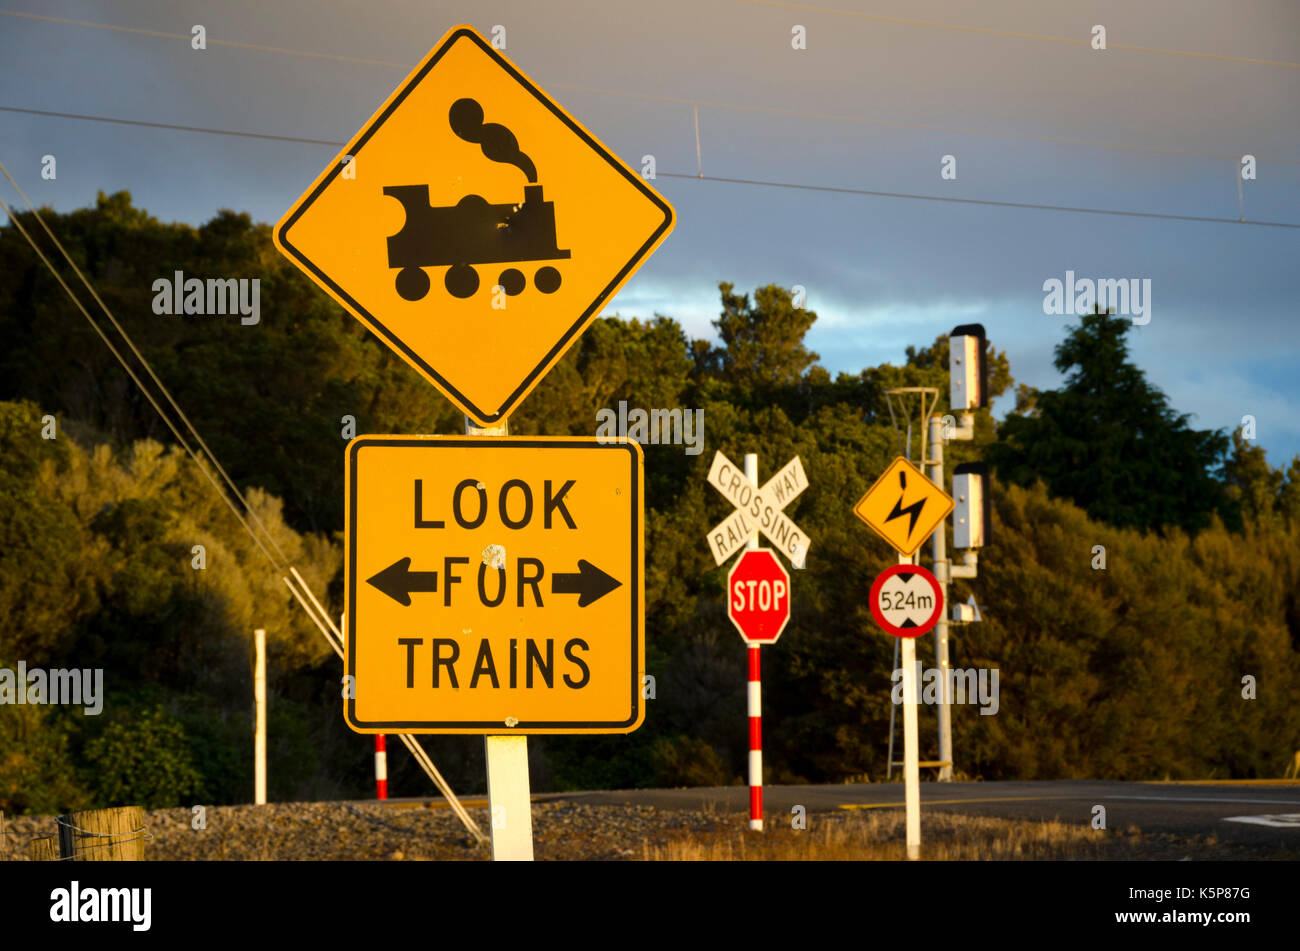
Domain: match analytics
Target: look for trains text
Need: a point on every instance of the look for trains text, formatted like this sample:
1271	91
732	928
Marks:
517	505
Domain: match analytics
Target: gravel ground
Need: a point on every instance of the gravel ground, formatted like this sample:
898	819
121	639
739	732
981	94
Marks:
415	831
369	831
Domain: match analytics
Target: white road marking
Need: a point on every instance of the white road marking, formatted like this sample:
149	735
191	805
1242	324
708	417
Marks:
1269	802
1286	821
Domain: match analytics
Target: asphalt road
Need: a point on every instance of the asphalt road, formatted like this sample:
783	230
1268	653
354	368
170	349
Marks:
1180	808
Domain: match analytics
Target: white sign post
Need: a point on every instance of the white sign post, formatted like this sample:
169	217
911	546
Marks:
758	510
907	602
911	752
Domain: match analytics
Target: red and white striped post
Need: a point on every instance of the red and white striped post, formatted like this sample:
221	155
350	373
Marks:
381	766
755	699
755	741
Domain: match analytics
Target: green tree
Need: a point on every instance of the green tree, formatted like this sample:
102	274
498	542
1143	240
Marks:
1133	671
144	760
1131	668
1256	491
1253	485
37	771
268	398
1109	441
1288	496
762	342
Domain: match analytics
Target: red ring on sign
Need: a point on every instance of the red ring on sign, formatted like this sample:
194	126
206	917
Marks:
873	600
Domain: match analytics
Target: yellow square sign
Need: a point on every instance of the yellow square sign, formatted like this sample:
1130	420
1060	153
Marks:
904	507
494	585
474	226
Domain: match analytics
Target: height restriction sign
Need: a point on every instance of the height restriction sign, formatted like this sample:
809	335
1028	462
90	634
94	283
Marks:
906	600
474	226
494	585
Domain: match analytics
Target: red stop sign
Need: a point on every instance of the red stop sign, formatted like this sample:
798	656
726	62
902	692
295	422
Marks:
758	596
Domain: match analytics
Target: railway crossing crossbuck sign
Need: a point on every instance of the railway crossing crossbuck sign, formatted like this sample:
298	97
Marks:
474	226
904	507
494	585
758	509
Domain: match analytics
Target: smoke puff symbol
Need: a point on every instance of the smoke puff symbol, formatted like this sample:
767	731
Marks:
497	142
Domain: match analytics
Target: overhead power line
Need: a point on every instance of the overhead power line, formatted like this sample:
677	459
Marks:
168	125
210	41
981	201
722	180
677	100
918	126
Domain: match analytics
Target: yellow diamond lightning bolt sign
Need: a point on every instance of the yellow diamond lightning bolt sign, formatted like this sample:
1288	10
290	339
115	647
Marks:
494	585
473	215
904	507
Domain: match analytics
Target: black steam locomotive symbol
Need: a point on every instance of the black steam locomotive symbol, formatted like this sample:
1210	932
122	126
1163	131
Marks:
473	231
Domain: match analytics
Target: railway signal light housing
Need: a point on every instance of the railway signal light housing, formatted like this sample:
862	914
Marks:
971	513
968	374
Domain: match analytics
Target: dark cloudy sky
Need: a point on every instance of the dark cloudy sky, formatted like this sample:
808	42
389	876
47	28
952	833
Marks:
885	88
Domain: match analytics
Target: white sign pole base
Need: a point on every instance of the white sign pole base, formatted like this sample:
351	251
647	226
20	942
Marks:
259	733
911	769
510	811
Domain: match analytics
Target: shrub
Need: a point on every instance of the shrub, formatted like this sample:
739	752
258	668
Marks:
145	761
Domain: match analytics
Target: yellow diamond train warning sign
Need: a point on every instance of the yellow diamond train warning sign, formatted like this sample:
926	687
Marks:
494	585
474	226
904	507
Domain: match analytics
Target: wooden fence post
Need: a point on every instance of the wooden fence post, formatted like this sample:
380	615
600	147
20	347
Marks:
44	850
103	835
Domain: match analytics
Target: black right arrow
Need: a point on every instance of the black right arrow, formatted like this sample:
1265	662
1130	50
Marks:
398	581
589	583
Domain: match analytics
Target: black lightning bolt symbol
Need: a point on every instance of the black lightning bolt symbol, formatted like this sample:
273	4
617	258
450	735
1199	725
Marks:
913	510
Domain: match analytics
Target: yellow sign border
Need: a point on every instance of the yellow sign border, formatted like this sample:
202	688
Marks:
482	415
637	586
879	531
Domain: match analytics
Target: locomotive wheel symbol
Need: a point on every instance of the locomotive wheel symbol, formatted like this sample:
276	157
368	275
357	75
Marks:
547	280
512	281
461	281
413	283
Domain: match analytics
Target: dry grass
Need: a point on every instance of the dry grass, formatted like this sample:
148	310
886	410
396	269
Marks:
944	837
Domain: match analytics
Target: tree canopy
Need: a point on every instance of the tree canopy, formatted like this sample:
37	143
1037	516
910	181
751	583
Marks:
1133	670
1109	441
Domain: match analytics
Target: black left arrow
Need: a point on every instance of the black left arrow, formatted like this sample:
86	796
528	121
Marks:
398	581
589	583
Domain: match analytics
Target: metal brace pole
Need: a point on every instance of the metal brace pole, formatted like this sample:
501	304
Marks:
334	637
939	542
